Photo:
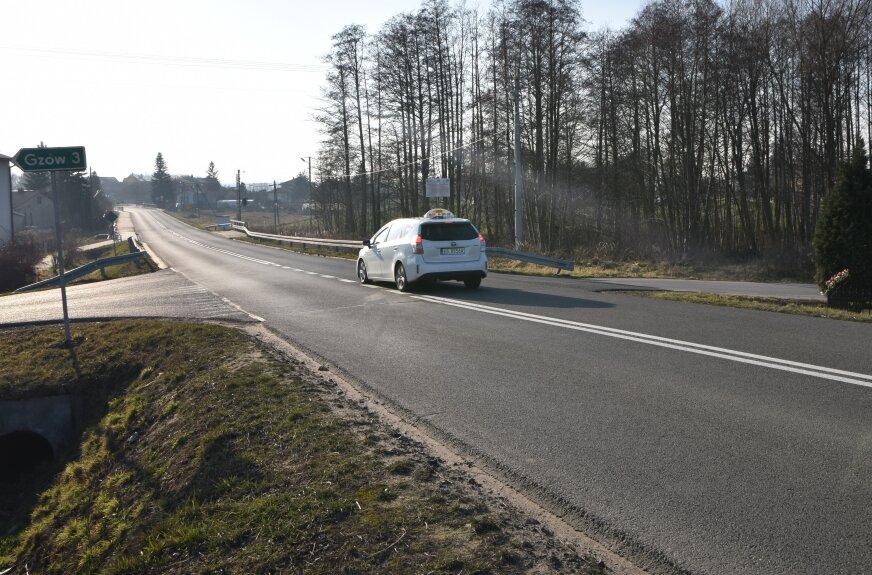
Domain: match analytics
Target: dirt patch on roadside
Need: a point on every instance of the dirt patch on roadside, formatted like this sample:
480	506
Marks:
545	534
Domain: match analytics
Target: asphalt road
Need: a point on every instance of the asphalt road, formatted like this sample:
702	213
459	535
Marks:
716	440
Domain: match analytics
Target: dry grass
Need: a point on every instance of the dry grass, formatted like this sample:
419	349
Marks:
758	270
205	451
812	309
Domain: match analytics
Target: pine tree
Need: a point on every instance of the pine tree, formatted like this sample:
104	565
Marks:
213	186
161	183
36	181
75	197
212	176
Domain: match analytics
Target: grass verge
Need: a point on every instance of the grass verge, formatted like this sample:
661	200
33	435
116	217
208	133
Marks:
206	451
598	268
794	307
127	269
134	268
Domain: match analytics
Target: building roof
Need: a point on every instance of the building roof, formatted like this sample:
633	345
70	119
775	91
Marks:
23	197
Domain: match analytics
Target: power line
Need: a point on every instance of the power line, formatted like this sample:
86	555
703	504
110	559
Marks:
134	58
443	154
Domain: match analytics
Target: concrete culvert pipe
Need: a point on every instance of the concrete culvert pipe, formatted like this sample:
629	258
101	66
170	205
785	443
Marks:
22	452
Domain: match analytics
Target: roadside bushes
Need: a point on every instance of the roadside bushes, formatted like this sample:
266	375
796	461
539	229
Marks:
18	264
843	237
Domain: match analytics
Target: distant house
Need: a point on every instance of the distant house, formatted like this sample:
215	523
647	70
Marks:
32	210
190	192
111	187
135	189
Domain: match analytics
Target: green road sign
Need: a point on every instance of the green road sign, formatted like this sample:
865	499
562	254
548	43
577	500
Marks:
51	159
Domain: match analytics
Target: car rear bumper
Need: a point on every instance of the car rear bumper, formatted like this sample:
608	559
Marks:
452	275
419	270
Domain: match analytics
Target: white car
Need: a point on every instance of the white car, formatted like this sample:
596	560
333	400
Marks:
438	246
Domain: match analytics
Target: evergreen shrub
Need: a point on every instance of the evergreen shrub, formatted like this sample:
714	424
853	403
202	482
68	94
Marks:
843	237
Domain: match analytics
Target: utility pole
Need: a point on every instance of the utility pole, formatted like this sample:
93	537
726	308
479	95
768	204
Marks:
238	197
197	198
309	159
87	206
276	205
519	206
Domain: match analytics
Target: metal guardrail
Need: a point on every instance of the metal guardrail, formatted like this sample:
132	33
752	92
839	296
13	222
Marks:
530	258
84	270
240	226
491	251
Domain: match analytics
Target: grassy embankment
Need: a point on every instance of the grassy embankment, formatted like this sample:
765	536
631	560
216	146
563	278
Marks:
204	450
82	257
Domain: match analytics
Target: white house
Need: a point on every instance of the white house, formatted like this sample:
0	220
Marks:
32	210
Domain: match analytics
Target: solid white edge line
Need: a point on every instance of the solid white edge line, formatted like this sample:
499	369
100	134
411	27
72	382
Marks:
251	315
740	357
674	341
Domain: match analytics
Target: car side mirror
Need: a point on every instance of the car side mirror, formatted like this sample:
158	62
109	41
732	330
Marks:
366	243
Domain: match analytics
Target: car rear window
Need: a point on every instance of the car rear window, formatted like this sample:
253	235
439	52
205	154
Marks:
448	231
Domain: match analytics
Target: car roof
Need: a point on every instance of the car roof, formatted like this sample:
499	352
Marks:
434	220
438	220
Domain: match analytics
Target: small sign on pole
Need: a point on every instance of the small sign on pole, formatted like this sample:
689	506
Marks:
51	159
438	188
55	160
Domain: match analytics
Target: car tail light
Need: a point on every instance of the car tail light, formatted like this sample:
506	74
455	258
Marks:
481	239
419	245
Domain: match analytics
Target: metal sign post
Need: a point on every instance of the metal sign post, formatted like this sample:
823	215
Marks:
55	160
6	217
60	259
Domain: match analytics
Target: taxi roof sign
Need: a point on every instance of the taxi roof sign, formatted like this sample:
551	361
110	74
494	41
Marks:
438	214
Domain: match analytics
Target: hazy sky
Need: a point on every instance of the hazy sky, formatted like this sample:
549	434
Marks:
236	83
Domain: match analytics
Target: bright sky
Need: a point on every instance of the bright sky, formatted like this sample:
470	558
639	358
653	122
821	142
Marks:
236	83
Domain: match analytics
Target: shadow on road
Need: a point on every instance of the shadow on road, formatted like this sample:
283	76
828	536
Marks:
506	296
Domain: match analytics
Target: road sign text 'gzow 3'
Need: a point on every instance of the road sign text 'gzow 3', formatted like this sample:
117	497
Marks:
51	159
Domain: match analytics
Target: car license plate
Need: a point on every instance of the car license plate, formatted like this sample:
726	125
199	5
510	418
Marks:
452	251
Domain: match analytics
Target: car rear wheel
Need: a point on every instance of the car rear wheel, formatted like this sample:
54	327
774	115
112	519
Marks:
472	283
361	273
400	278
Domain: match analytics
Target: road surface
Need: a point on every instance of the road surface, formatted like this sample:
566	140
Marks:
704	438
